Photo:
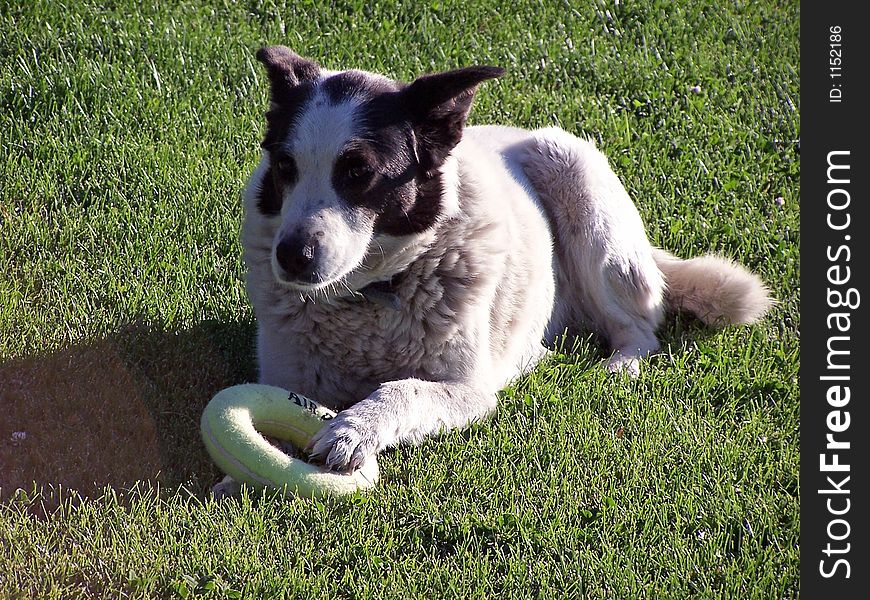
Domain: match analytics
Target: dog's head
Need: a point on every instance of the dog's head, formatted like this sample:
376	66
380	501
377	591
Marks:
353	161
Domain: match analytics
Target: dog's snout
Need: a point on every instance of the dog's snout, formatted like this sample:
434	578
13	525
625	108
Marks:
296	256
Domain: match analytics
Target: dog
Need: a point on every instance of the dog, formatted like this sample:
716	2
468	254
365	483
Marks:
404	267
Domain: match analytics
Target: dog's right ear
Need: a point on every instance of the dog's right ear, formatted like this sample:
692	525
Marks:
286	70
439	104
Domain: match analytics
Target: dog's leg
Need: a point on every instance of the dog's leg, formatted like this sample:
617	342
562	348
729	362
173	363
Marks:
607	279
404	411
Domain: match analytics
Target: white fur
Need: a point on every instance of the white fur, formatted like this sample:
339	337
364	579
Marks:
538	236
320	135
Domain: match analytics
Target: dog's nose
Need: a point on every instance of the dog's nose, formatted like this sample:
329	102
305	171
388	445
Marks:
296	256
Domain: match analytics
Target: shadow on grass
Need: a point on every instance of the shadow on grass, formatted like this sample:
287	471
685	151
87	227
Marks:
118	410
124	410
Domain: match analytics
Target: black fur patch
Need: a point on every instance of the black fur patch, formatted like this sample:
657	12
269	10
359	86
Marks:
281	174
422	215
439	105
282	117
408	132
269	198
404	198
286	70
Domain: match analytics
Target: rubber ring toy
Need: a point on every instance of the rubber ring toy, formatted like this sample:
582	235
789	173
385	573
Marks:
236	419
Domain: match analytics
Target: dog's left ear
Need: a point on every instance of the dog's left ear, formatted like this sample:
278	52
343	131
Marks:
438	105
286	70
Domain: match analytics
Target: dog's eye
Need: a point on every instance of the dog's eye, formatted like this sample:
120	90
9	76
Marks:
355	170
285	166
360	172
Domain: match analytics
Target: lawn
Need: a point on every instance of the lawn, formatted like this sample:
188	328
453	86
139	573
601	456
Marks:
127	130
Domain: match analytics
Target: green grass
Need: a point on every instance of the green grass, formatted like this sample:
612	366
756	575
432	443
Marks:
127	132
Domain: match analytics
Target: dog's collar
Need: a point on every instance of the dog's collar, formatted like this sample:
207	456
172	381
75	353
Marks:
383	293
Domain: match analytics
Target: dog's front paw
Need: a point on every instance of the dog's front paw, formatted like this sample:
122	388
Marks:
226	488
345	442
620	363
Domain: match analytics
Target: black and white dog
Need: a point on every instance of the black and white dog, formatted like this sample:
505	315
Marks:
404	268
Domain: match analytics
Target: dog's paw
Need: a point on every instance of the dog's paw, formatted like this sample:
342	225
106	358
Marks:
621	363
345	442
226	488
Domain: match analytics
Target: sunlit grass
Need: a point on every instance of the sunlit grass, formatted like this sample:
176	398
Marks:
127	132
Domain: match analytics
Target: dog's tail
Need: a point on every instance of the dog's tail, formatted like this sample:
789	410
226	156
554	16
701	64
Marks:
715	289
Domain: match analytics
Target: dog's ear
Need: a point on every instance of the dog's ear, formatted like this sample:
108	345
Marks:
286	70
438	105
